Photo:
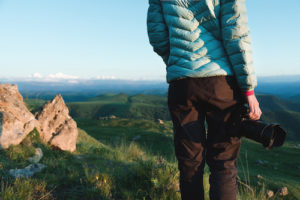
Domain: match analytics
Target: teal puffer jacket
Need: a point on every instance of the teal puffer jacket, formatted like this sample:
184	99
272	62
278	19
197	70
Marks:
202	38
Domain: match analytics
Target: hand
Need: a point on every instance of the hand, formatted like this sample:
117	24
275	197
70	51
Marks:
255	111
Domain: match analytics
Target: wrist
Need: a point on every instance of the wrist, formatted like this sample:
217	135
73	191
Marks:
248	93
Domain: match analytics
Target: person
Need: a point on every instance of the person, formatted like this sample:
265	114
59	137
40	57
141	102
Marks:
206	47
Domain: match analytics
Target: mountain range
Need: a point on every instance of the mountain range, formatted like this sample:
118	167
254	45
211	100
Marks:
286	87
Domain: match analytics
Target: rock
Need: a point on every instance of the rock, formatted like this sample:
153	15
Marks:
56	126
283	191
270	193
53	122
37	157
28	171
16	121
160	121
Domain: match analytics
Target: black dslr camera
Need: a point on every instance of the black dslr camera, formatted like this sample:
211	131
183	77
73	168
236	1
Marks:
269	135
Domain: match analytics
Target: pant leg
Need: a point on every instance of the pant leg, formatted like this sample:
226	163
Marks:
223	142
189	138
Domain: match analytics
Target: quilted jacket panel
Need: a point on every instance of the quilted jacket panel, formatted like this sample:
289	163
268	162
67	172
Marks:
202	38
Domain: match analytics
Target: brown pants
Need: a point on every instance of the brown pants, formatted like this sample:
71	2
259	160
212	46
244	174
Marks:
191	101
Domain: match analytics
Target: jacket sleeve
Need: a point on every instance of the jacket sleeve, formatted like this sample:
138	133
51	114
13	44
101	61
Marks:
237	42
157	30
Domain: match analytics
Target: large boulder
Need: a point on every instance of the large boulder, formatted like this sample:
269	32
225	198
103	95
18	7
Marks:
16	121
53	122
56	126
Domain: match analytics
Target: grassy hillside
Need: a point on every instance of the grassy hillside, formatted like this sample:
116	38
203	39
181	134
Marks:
94	171
134	159
295	98
121	105
34	104
152	107
281	166
270	102
284	112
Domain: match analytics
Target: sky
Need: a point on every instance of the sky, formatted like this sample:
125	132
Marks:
107	39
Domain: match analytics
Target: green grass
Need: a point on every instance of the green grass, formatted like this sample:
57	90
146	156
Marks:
121	105
151	136
132	157
34	105
94	171
153	107
280	168
109	164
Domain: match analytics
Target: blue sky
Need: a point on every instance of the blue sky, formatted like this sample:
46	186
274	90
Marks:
90	38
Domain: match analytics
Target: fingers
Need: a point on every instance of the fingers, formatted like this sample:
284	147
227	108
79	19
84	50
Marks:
255	112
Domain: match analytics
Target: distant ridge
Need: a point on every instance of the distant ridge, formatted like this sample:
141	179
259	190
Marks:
280	78
285	86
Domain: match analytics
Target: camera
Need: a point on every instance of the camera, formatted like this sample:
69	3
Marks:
269	135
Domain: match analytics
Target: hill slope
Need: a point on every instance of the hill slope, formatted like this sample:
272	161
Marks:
284	112
153	107
116	158
121	105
